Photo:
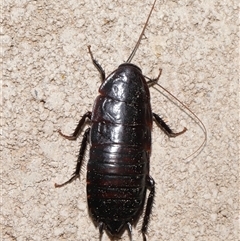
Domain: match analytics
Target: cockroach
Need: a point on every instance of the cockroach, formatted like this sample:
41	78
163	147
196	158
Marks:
120	146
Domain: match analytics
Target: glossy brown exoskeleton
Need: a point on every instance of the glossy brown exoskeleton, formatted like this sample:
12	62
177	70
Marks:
120	146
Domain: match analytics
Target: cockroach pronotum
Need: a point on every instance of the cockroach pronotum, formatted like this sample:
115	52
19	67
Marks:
120	147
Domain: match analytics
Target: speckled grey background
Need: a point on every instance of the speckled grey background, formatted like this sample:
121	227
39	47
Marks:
49	82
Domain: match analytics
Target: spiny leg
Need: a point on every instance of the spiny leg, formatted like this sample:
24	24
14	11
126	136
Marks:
78	128
80	159
151	185
165	128
97	65
151	82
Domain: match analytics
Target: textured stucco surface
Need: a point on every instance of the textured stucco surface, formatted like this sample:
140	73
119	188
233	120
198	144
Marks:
49	82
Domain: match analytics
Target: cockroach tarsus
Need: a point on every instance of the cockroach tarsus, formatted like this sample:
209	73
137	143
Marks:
192	115
120	148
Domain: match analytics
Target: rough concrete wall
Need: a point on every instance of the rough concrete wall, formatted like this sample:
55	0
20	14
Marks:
49	82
